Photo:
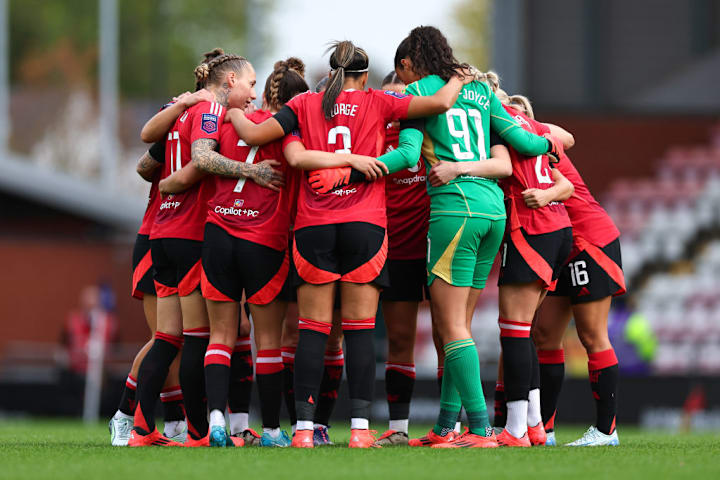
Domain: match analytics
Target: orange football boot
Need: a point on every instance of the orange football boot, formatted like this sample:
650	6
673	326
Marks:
303	439
507	440
153	439
432	438
469	440
362	438
201	442
235	441
537	435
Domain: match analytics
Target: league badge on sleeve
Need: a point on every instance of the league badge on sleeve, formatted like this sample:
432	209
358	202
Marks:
209	123
395	94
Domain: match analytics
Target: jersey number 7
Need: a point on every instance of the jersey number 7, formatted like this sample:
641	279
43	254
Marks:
249	159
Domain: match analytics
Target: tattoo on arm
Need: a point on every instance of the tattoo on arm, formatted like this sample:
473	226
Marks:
146	166
207	159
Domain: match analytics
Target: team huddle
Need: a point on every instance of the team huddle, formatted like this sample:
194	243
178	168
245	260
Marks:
322	205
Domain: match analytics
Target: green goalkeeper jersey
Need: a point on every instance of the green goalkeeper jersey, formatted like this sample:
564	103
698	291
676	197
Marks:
462	134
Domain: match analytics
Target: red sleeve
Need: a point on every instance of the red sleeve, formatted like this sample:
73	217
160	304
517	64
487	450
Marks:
540	128
294	136
206	120
395	105
297	103
563	165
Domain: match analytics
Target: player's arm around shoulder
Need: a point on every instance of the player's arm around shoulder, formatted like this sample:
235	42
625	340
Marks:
157	127
439	102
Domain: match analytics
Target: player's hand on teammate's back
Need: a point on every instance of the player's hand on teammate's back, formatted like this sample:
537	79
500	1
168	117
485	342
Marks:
233	112
371	167
190	99
466	75
181	97
443	172
265	175
536	198
328	179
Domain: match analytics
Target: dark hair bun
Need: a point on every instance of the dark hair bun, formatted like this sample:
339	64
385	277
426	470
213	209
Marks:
216	52
296	64
292	63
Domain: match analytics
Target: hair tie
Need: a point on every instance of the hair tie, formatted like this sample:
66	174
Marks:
352	71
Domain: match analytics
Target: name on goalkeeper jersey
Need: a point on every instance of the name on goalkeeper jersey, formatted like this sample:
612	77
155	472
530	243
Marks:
477	97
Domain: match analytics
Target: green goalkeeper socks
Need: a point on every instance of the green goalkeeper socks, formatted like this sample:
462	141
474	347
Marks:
449	406
463	367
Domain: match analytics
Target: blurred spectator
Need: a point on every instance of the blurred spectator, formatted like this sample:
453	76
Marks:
94	311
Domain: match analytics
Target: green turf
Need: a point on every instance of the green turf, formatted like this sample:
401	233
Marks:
53	449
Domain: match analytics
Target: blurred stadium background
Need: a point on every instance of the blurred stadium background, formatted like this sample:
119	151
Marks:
636	81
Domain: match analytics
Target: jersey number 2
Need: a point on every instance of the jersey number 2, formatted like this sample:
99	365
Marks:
542	174
344	132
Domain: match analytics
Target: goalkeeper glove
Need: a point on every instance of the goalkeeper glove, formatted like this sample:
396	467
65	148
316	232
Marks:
555	150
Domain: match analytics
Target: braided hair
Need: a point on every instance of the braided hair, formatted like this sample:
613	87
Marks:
286	80
430	53
217	63
201	71
347	60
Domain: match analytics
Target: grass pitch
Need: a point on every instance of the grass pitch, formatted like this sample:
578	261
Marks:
52	449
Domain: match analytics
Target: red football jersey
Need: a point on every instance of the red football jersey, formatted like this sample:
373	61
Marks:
589	220
243	208
531	172
157	153
408	207
152	207
182	215
357	126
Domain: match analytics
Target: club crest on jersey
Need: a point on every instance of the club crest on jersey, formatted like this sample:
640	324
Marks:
395	94
238	203
209	123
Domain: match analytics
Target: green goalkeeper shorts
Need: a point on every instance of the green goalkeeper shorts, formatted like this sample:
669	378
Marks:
461	250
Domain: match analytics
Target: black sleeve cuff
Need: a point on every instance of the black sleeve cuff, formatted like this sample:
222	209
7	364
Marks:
416	123
287	119
356	176
495	139
157	151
